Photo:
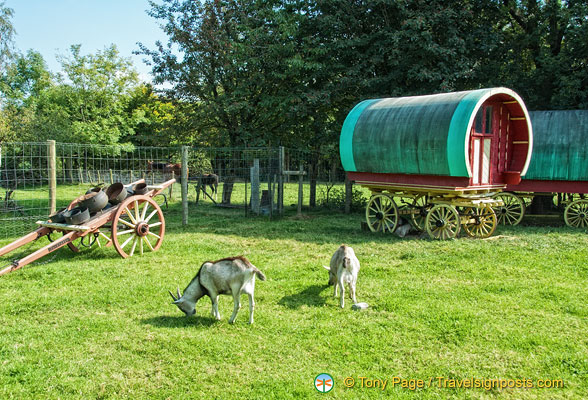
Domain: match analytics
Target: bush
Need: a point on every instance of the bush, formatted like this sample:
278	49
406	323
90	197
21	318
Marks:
335	199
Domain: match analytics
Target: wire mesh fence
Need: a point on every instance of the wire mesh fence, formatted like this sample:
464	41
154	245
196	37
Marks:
101	165
23	186
263	181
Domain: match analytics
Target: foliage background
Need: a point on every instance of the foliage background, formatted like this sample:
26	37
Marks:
286	72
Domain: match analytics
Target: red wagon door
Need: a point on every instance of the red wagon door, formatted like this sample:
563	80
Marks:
484	145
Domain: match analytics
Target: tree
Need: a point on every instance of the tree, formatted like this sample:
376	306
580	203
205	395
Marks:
6	35
24	79
89	103
542	52
239	67
154	119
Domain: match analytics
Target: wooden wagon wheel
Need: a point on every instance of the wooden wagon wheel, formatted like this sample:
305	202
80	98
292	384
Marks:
481	222
576	214
138	223
421	206
381	213
442	222
511	213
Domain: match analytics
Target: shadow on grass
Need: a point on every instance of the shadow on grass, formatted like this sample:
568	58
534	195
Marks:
166	321
311	296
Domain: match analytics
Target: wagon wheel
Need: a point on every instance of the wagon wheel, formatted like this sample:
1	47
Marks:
576	214
422	206
511	213
442	222
481	222
381	213
137	225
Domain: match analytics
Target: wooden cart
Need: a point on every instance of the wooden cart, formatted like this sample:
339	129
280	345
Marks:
437	160
558	171
135	225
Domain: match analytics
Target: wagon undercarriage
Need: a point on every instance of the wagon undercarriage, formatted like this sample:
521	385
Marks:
573	206
441	215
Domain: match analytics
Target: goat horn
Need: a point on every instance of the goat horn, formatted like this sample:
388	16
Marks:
179	295
172	295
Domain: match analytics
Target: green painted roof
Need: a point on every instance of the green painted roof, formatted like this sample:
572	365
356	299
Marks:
425	135
560	145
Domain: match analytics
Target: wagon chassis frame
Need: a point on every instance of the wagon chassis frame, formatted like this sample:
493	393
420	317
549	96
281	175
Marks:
573	206
128	223
440	213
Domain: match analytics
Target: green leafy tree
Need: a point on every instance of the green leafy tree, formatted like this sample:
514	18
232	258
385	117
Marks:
239	68
541	51
154	119
25	78
6	34
89	103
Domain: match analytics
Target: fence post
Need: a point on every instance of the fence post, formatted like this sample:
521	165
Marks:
348	194
254	176
51	166
300	186
171	187
184	185
270	194
281	180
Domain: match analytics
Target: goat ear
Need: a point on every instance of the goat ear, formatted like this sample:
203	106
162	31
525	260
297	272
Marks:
172	295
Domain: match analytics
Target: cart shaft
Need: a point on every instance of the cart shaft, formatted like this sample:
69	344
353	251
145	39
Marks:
31	237
51	247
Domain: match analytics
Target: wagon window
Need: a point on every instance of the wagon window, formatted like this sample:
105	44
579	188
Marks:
479	122
483	122
488	120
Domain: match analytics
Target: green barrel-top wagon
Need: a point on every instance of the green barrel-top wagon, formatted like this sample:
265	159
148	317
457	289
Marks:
558	170
437	160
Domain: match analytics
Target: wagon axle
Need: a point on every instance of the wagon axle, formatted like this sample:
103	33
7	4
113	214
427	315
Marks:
440	223
142	229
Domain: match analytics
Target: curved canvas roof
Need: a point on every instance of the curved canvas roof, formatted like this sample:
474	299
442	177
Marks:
426	135
560	148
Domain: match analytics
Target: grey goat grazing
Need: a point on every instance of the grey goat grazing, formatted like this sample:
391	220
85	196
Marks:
231	276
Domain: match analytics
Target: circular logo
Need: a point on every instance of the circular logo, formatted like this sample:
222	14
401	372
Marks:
324	383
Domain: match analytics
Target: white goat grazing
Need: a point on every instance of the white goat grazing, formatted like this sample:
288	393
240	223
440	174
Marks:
234	275
343	270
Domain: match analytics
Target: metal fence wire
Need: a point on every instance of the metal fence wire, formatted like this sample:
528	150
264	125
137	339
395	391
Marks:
262	181
24	191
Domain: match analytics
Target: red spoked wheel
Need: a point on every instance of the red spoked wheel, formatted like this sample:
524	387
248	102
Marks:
138	225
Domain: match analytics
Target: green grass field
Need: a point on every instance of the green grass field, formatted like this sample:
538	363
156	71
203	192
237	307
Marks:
93	325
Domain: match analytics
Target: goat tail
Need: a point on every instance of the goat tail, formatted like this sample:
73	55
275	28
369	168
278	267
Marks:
260	275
